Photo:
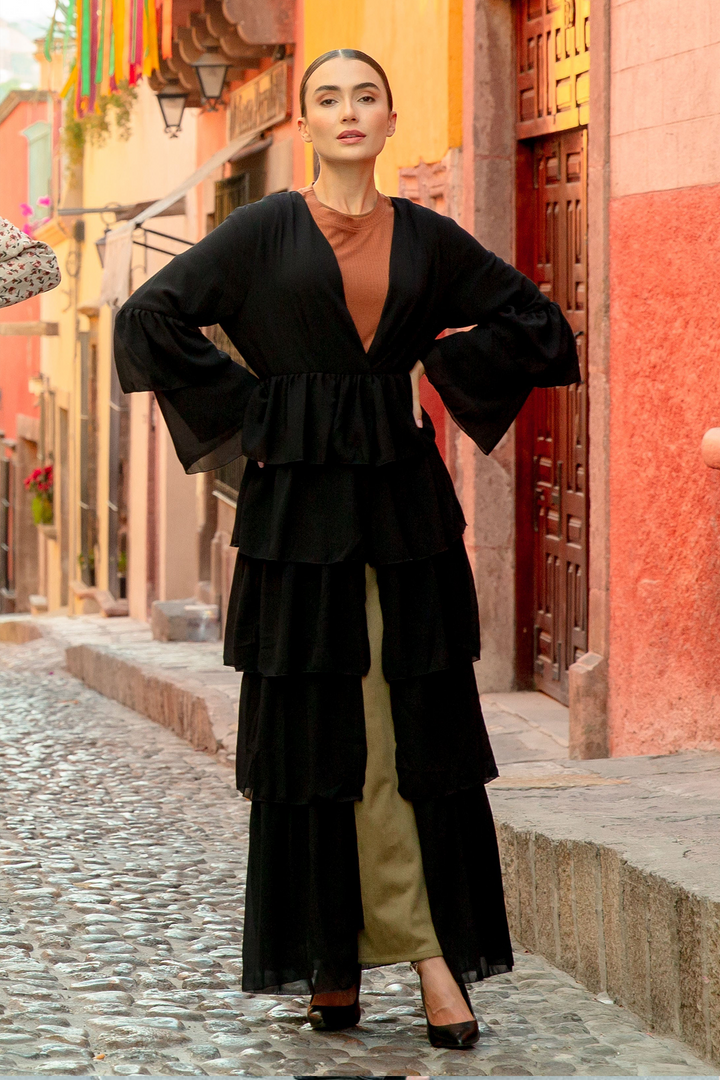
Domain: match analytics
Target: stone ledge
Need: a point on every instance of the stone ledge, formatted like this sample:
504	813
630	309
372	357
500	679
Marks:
649	942
199	714
19	629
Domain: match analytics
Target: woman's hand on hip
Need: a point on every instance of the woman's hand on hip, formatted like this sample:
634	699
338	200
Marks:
416	375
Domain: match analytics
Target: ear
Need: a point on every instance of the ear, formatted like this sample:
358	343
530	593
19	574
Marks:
392	124
303	129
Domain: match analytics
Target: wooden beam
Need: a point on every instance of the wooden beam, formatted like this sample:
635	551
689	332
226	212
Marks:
29	329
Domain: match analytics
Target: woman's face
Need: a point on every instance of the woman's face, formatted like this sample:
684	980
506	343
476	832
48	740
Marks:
347	116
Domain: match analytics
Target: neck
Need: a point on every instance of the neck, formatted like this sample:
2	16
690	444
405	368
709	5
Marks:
349	188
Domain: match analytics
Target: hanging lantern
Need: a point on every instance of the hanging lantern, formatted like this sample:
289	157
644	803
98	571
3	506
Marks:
211	70
101	246
172	101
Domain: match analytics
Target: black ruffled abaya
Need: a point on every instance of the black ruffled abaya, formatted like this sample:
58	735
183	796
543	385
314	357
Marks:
348	480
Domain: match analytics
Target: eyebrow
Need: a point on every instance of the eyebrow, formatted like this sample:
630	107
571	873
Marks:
360	86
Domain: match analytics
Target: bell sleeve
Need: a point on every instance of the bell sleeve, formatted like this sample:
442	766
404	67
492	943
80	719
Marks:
520	339
158	345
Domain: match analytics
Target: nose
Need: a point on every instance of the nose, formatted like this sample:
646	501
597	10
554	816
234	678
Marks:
349	112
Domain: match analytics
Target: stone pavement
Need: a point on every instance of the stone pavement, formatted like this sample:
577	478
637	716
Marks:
184	686
122	859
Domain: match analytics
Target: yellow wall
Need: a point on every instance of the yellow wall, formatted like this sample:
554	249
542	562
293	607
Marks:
419	43
144	168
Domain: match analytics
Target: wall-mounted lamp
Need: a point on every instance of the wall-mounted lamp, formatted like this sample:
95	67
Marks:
211	71
100	245
172	101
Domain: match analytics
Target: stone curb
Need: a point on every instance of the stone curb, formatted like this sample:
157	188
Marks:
202	716
647	942
19	631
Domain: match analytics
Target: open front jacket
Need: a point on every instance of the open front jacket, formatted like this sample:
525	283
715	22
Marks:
348	477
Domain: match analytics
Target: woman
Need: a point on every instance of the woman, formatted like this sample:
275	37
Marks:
27	267
353	612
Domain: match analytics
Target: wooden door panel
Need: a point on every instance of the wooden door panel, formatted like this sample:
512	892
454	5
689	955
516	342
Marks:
553	59
556	427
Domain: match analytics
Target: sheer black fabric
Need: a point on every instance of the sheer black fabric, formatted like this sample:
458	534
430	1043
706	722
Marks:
301	738
521	340
268	276
287	618
430	614
336	513
299	632
201	392
442	742
302	915
303	909
318	417
464	883
349	480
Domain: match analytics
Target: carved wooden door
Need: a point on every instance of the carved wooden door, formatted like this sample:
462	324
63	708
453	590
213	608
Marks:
553	65
557	418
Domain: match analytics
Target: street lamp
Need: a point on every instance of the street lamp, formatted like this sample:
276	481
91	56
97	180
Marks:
211	70
101	245
172	101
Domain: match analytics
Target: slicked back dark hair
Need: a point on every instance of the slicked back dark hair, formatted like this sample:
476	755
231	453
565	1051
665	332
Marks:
343	54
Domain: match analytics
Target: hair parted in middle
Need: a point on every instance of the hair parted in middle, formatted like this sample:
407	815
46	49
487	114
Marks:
343	54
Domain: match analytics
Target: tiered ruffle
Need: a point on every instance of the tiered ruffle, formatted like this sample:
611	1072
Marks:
302	915
322	417
326	514
349	479
290	618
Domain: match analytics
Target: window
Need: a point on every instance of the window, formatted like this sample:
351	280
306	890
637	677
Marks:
39	160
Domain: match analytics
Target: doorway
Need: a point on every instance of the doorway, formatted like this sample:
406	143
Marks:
552	442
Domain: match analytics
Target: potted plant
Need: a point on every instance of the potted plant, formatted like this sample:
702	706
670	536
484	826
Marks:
87	567
122	574
40	483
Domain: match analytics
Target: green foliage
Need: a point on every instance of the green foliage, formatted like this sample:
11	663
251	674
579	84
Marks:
94	129
61	29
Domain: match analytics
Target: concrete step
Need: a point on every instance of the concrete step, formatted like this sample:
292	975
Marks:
612	872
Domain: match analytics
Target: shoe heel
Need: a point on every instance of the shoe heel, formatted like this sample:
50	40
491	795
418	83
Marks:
462	1036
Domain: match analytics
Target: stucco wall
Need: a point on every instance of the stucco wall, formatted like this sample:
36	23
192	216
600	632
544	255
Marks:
19	356
665	390
419	43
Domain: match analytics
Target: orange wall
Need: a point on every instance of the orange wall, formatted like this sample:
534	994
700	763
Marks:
19	356
665	520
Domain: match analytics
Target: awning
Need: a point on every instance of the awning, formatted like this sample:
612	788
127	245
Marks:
115	287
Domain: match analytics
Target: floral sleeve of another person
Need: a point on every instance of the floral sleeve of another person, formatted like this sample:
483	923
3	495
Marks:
27	266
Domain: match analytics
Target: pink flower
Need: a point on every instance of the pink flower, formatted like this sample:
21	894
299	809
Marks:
44	200
27	211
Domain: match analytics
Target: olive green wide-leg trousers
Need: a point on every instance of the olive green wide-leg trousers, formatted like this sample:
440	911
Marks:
397	921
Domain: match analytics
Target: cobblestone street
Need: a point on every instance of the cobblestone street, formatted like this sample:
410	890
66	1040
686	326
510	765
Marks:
122	862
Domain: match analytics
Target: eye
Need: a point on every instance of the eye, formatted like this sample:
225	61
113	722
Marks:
367	97
327	101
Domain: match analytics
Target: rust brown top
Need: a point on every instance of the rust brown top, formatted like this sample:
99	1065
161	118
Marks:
361	243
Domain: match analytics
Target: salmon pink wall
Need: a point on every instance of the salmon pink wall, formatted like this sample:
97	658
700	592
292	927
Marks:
665	520
19	356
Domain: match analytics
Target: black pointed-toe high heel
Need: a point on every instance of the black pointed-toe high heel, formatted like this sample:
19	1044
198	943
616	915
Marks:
462	1036
336	1017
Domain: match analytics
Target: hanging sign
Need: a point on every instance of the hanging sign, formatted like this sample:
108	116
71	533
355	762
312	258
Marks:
260	103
